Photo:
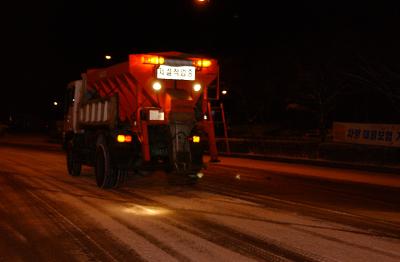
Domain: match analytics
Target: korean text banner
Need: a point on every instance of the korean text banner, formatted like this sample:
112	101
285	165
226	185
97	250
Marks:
371	134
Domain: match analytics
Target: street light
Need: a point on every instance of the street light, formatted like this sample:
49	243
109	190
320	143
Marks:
55	103
108	57
224	92
202	2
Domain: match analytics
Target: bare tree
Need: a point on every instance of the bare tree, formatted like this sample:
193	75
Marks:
379	77
318	93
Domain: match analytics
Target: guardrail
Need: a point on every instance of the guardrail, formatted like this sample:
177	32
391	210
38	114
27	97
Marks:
312	149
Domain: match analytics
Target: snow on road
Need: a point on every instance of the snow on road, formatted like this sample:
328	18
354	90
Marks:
149	220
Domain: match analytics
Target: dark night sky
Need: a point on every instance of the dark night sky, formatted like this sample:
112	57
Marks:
46	44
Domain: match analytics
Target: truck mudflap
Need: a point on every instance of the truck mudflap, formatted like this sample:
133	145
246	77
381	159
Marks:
186	155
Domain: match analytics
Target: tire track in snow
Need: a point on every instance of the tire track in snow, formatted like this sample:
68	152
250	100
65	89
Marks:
240	242
203	247
77	245
129	241
312	256
270	256
36	186
320	185
236	194
369	224
219	234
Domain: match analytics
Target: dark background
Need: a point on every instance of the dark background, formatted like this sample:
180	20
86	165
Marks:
296	66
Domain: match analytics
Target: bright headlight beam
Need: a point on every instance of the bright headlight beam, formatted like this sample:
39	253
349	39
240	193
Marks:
140	210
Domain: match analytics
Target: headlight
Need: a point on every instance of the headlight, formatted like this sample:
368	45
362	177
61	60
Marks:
157	86
197	87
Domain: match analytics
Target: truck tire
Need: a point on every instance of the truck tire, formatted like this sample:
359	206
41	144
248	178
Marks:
122	177
106	176
74	167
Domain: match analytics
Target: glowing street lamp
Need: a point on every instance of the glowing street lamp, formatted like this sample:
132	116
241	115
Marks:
202	2
224	92
55	103
108	57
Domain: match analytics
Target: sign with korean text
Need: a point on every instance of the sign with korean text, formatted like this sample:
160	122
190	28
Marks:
370	134
156	115
176	72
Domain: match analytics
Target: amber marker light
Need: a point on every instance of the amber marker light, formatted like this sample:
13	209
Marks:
152	59
206	63
202	63
196	139
124	138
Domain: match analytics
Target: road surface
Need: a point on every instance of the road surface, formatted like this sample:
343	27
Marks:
235	213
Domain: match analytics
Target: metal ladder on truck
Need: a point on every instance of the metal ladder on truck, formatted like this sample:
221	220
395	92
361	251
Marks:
216	114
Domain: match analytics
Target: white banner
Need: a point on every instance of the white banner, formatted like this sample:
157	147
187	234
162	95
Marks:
371	134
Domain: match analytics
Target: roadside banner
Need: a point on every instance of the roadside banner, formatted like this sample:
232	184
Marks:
370	134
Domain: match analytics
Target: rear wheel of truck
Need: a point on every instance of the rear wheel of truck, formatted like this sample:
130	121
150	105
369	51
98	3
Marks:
106	176
121	176
74	167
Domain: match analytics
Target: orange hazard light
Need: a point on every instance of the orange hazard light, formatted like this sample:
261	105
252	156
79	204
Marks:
124	139
196	139
202	63
153	59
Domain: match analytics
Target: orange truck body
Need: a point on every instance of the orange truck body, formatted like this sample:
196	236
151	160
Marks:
149	92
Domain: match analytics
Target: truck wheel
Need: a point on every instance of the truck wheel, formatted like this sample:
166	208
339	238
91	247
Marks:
73	165
106	176
121	176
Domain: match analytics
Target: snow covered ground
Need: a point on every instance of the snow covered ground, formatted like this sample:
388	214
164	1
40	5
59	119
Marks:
47	215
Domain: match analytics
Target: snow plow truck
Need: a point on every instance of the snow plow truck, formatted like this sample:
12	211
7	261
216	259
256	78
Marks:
149	113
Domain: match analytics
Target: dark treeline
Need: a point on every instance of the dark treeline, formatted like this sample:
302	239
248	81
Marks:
315	80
